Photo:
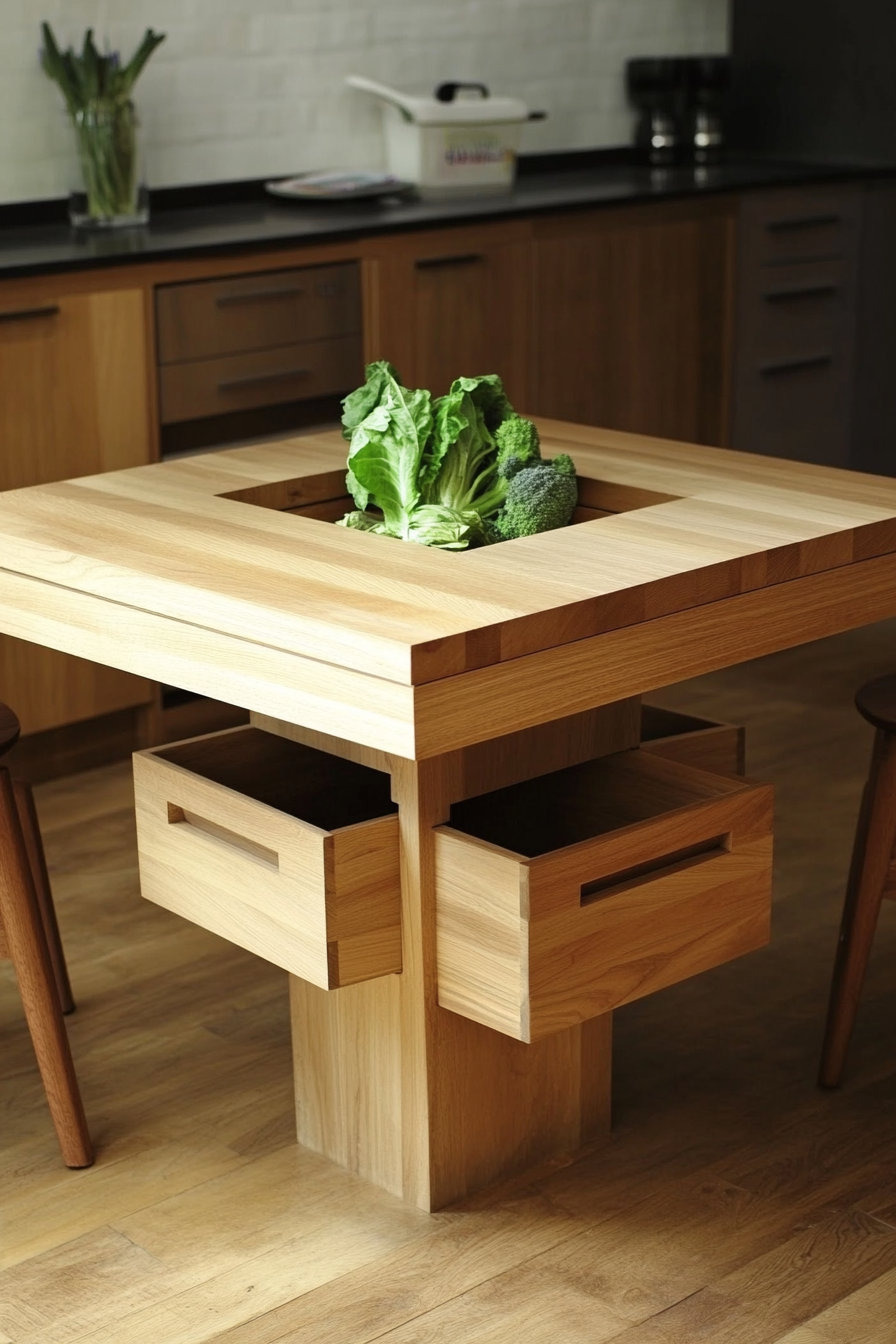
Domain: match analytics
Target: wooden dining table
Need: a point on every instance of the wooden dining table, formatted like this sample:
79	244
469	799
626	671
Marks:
524	869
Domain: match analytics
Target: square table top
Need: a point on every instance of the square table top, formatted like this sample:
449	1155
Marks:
198	572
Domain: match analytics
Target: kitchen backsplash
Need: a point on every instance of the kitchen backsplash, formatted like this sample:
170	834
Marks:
234	94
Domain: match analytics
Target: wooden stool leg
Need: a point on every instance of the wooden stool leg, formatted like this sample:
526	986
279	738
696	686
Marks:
874	842
25	936
37	860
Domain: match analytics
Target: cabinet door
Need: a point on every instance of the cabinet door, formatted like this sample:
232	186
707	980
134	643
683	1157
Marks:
631	318
450	303
73	384
73	401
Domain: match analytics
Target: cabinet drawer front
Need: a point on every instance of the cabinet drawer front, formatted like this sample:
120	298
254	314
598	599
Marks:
795	408
796	309
256	312
323	904
532	946
800	225
262	378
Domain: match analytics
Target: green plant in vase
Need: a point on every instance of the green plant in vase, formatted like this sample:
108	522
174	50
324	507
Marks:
97	91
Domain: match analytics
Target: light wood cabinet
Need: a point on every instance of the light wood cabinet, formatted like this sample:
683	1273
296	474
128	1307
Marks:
452	302
74	400
631	318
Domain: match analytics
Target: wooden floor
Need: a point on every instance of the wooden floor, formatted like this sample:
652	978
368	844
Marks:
733	1203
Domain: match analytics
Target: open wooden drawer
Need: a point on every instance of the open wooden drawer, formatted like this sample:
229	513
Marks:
289	852
564	897
703	743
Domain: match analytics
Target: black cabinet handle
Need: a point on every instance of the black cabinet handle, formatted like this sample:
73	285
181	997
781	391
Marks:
257	296
27	314
461	259
801	222
249	379
799	292
792	365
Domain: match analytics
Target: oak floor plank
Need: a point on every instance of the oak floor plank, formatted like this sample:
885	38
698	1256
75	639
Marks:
777	1291
468	1251
866	1316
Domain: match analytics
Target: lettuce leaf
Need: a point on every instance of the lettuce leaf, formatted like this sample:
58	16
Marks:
388	448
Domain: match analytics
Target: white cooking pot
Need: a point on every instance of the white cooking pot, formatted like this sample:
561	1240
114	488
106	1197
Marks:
459	142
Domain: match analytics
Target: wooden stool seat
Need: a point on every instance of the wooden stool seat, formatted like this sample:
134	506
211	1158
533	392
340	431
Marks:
876	702
9	729
872	876
29	936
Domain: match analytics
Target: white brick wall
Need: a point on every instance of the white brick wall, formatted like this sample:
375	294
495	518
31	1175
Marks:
243	92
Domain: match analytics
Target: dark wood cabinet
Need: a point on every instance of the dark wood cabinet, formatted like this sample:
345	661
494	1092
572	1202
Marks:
795	304
631	315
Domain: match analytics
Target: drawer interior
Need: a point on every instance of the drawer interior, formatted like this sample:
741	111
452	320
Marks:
584	801
312	785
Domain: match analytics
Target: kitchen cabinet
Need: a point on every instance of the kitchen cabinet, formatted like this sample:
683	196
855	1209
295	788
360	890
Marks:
631	315
451	302
798	256
74	400
239	343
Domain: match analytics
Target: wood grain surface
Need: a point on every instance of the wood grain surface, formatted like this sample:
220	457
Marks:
734	1202
164	572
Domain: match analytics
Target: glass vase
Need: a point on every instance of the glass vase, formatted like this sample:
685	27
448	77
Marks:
111	193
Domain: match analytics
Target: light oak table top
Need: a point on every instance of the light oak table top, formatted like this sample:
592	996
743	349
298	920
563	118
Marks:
194	572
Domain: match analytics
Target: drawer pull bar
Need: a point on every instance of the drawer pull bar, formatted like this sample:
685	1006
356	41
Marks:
27	314
462	259
180	816
250	379
793	365
799	292
801	222
676	862
258	296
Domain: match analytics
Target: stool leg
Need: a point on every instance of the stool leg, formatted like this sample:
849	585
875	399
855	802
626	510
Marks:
37	860
874	842
28	950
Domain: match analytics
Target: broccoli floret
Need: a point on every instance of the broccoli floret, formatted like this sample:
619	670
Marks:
539	498
518	445
564	464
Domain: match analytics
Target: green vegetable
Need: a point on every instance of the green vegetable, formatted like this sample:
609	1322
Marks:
388	453
451	472
465	452
518	445
93	77
539	498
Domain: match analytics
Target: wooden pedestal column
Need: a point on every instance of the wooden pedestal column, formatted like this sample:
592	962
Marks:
406	1094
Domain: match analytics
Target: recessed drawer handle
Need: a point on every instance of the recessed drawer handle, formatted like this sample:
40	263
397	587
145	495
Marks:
799	292
792	365
461	259
27	314
676	862
250	379
257	296
180	816
801	222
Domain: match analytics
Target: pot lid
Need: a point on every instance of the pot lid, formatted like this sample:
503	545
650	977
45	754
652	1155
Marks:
446	109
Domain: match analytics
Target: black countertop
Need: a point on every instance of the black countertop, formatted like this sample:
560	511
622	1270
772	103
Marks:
268	222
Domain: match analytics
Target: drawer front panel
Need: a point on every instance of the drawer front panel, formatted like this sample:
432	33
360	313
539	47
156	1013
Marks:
262	378
533	946
800	225
323	905
257	312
